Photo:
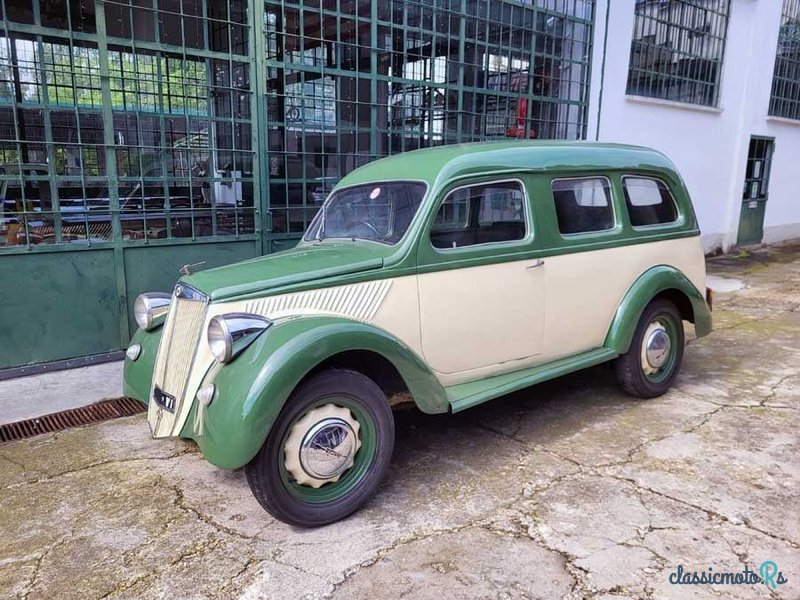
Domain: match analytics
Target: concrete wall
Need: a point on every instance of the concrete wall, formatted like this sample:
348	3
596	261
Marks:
709	145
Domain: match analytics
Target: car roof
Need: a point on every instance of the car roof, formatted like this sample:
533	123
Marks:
459	160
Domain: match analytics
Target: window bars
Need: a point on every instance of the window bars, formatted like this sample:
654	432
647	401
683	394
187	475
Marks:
785	93
677	50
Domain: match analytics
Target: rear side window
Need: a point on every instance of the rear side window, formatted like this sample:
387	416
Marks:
583	204
481	214
649	201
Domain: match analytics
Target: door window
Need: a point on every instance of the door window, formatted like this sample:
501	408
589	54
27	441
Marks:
481	214
649	201
583	205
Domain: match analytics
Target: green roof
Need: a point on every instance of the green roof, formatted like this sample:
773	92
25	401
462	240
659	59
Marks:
459	160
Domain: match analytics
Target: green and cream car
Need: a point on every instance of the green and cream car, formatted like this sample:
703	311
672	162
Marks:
445	277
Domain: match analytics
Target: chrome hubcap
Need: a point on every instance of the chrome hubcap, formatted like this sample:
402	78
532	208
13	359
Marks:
656	347
322	445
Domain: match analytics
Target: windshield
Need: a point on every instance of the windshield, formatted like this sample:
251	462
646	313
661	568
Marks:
379	212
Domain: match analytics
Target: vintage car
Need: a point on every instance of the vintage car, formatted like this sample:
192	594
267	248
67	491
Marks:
446	277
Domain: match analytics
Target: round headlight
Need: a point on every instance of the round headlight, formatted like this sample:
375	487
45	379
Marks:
140	312
148	309
219	339
231	333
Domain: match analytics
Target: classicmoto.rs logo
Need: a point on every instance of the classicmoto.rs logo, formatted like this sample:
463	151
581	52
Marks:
768	574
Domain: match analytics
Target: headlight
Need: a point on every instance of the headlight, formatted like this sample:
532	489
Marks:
229	334
150	309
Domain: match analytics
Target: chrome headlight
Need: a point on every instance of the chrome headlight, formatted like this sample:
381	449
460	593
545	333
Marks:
229	334
151	309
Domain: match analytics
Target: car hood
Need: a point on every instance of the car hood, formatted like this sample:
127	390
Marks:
303	264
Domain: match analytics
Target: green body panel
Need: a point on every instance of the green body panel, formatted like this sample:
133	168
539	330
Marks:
252	389
313	265
137	375
651	283
303	264
447	163
467	395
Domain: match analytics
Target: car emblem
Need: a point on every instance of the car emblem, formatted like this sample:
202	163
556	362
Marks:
189	269
178	291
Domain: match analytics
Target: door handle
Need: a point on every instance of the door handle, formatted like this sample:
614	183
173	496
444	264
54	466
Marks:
536	264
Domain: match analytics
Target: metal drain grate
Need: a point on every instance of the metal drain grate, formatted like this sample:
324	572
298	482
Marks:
102	411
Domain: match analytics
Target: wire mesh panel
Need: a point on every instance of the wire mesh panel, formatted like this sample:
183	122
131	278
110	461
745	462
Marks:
677	49
785	95
162	150
136	121
349	81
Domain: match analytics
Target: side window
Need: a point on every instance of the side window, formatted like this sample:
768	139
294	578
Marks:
480	214
649	201
583	204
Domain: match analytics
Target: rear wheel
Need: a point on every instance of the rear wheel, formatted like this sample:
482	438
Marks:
654	359
327	451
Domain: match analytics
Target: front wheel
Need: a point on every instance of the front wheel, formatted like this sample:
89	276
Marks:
652	362
327	451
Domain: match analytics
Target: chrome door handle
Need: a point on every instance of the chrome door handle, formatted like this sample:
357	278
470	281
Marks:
536	264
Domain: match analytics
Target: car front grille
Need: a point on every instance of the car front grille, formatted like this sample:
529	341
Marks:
182	331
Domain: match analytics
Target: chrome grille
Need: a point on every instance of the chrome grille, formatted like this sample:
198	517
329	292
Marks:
182	331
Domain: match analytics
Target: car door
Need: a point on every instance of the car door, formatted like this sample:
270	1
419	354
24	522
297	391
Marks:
588	269
481	289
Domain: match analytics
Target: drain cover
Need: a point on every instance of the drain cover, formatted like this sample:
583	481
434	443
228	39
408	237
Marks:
94	413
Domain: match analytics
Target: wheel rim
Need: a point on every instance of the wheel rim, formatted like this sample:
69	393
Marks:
328	450
659	348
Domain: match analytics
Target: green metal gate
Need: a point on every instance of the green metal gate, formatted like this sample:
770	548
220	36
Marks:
140	135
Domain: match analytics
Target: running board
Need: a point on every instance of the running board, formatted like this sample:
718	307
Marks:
467	395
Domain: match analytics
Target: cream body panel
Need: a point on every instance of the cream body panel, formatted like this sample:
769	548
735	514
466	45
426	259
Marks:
584	289
391	304
582	293
477	317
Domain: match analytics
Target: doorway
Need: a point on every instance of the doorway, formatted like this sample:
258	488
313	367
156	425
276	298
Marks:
756	184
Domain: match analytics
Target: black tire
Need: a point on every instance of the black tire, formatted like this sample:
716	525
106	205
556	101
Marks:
277	491
629	367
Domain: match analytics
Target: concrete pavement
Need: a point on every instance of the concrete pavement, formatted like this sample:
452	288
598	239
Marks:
37	395
567	490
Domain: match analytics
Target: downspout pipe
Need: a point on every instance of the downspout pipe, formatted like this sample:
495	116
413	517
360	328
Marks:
602	72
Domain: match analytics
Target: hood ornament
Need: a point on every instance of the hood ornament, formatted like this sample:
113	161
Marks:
189	269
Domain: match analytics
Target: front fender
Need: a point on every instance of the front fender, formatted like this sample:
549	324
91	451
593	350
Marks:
252	389
137	375
649	284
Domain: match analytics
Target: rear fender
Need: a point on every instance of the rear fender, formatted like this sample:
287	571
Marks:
651	283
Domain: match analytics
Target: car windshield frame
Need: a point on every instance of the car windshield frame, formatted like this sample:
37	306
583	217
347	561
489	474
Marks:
316	229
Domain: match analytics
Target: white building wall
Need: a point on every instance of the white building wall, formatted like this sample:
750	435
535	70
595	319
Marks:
708	145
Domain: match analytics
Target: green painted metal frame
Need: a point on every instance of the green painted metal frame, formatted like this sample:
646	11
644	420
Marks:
111	81
105	107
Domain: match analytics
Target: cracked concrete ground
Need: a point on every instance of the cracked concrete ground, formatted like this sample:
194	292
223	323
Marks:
567	490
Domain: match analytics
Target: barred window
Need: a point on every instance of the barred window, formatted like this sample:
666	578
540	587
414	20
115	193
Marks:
677	50
785	95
